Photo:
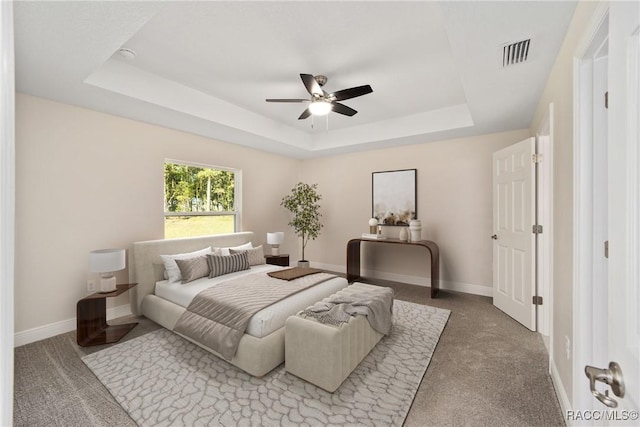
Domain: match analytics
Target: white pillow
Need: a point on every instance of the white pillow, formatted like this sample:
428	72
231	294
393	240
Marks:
172	272
225	251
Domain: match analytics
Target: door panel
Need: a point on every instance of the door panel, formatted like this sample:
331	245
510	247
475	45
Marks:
513	216
624	195
502	269
519	275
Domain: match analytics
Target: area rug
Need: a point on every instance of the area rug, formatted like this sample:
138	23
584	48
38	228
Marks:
161	379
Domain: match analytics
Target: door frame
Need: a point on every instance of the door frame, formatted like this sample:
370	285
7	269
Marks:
7	210
584	295
544	209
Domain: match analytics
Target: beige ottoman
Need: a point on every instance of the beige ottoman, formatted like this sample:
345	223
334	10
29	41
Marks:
325	355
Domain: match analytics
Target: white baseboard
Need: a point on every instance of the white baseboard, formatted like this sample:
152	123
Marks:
561	393
467	288
47	331
329	267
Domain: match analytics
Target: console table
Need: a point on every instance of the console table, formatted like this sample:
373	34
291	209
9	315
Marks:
353	258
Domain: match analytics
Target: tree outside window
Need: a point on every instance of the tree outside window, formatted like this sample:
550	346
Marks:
199	200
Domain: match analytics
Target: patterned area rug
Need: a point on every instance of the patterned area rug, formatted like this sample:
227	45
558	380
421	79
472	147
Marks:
161	379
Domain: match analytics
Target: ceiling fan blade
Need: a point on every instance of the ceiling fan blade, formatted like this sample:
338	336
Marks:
343	109
353	92
312	85
287	100
306	113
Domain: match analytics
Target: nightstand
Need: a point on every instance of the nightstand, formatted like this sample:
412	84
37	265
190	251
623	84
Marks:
281	260
92	319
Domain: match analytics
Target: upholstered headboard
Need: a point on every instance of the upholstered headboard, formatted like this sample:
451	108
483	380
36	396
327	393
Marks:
145	264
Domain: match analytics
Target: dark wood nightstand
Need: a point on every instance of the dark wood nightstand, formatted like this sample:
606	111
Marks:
282	259
92	319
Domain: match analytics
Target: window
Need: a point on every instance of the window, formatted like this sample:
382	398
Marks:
200	200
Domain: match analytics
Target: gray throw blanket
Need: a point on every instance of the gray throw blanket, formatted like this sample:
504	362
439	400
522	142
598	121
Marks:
218	317
372	301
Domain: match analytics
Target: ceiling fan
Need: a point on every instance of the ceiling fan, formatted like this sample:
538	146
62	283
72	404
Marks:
322	102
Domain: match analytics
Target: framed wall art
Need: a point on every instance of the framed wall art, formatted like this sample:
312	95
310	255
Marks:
394	196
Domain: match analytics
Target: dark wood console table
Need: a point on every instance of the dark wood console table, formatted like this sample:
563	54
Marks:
92	319
353	258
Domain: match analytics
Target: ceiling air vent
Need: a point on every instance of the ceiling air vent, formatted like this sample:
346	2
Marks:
515	53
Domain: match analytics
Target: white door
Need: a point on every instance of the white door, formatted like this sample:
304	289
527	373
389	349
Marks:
624	204
514	241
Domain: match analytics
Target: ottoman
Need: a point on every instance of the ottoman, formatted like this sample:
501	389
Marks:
325	354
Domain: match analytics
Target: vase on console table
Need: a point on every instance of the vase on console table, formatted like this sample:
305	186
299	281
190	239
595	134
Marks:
415	228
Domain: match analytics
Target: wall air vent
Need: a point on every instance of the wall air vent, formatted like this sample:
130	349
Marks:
515	53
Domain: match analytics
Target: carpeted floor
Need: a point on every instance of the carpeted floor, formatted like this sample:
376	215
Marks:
487	370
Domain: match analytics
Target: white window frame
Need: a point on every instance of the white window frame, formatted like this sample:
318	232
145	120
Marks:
237	193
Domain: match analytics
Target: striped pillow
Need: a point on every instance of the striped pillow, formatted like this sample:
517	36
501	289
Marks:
255	255
225	264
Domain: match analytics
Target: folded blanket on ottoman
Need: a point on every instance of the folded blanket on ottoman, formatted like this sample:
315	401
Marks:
376	303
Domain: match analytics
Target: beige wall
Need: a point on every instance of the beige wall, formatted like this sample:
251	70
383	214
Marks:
87	180
559	90
454	205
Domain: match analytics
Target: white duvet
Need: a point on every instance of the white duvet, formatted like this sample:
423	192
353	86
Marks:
265	321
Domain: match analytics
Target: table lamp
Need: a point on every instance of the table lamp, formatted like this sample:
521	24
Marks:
275	239
106	262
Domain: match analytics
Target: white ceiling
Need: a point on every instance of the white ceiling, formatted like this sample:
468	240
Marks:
207	67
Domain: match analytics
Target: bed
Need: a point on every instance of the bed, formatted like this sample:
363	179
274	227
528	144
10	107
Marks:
261	348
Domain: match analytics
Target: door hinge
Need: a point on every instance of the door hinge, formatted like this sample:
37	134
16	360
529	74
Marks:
536	158
536	229
537	300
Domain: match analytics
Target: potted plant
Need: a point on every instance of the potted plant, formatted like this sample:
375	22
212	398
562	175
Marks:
303	204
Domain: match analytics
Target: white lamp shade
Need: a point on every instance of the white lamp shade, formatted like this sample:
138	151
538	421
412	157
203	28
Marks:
275	238
320	108
107	260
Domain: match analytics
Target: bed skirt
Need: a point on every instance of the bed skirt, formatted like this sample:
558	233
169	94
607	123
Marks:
256	356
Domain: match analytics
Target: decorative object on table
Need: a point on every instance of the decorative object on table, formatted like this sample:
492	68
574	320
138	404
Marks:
415	227
275	239
394	196
373	225
106	262
404	234
373	236
303	205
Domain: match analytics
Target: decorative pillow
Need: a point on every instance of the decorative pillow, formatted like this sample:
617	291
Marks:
171	268
193	268
225	264
255	255
225	251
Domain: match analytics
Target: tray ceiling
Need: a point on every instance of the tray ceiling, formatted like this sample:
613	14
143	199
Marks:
206	67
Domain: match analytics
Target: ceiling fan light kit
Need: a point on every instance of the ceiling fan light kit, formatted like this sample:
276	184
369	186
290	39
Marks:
320	108
322	102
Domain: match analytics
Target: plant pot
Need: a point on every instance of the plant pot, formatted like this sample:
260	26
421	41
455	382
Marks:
304	263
